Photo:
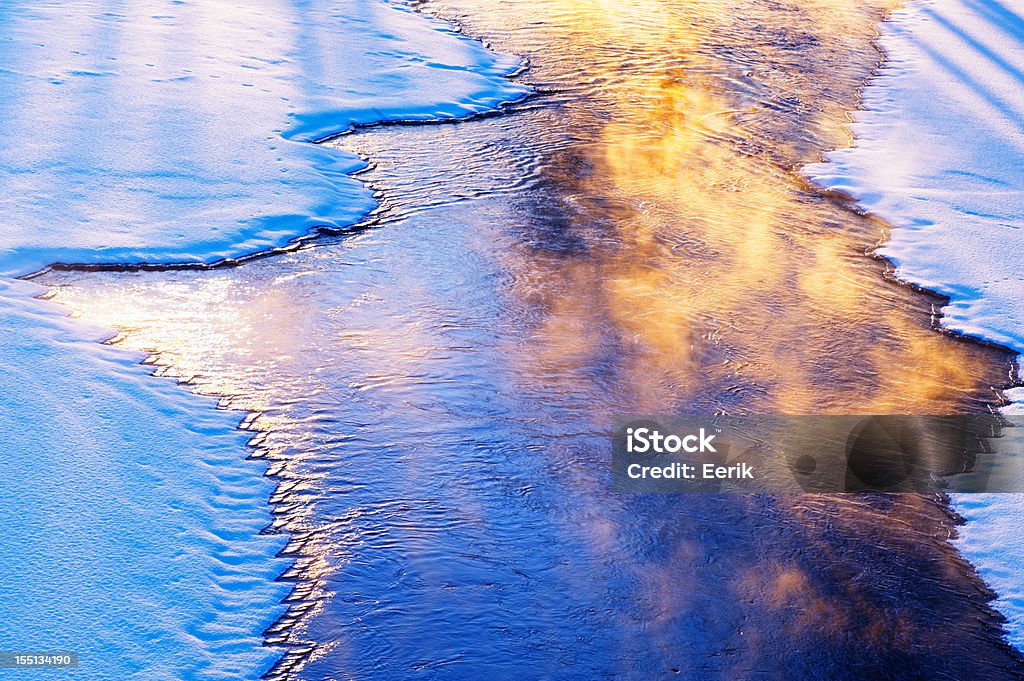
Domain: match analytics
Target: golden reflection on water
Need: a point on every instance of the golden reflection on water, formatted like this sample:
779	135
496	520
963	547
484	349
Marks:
723	274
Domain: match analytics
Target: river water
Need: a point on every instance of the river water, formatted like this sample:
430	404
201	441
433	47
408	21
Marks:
433	389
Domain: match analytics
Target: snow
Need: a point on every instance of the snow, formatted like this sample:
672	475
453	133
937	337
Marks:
159	131
171	131
131	516
940	155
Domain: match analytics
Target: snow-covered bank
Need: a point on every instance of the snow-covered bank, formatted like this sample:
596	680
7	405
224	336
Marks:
940	155
157	132
170	132
131	518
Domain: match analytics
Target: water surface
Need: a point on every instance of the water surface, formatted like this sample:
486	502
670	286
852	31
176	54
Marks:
434	390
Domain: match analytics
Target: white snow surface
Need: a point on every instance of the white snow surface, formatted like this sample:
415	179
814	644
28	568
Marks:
939	154
131	517
170	131
165	131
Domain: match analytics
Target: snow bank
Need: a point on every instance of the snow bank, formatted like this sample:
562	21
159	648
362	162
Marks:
940	155
130	515
154	131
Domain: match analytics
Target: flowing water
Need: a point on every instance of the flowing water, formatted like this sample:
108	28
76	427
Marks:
434	389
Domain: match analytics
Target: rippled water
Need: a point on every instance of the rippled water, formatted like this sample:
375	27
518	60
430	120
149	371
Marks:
434	390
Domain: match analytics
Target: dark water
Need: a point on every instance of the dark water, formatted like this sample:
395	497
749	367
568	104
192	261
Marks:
435	390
